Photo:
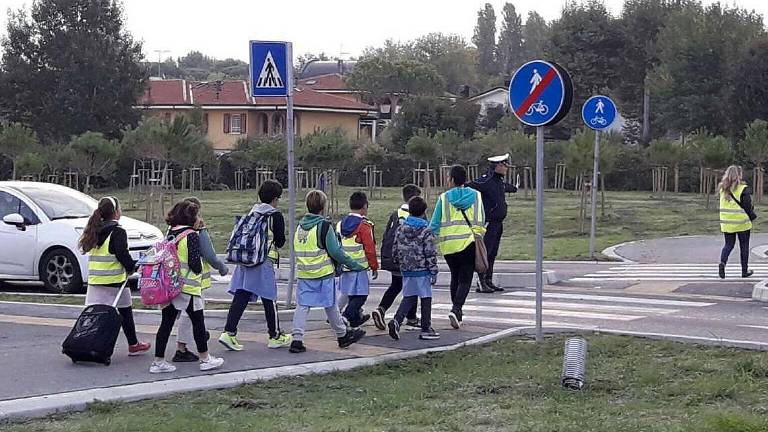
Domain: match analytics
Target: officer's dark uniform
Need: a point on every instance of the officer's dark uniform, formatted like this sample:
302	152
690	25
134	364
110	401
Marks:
493	188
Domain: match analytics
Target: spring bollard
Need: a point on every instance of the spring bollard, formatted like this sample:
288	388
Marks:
574	364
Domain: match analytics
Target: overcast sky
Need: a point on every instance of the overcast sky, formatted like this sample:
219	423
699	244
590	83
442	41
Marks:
223	28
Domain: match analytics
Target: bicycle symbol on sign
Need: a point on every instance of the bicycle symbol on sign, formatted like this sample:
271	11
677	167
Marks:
598	121
538	107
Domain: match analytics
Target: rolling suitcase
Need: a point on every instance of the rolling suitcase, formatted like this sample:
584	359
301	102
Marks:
94	335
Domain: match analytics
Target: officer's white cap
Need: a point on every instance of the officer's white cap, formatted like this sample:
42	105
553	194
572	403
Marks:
499	159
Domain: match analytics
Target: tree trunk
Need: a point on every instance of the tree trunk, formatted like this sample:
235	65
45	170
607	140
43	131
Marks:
646	136
14	169
677	178
87	183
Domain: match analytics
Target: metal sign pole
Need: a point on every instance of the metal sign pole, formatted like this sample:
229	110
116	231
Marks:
539	230
595	170
291	171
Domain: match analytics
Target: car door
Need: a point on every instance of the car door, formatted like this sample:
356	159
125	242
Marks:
19	244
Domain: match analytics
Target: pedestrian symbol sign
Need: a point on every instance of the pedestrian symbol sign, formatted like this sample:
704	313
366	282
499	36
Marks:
269	68
540	93
599	112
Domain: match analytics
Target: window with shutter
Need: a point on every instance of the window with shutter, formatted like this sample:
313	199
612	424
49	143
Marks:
243	119
236	127
226	123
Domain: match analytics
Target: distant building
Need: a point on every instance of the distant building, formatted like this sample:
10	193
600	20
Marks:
315	68
495	97
230	113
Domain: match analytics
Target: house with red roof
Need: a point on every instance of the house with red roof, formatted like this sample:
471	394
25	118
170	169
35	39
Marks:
230	113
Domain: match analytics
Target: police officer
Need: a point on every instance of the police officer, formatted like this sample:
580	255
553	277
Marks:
492	187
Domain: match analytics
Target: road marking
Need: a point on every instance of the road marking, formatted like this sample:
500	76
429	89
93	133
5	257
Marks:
574	306
753	326
616	299
551	312
476	319
658	279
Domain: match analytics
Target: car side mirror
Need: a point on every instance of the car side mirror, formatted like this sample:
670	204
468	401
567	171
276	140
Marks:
16	220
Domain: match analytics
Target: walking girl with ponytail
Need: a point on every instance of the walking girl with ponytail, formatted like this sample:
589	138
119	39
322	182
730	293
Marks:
109	264
736	216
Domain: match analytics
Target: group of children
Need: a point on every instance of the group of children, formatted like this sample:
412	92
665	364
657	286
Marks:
328	259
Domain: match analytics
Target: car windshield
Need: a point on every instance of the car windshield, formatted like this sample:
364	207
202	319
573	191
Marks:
59	203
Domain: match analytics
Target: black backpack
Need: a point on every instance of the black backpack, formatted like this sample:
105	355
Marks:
388	242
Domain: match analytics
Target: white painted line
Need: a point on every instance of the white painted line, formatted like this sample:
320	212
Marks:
550	312
753	326
39	406
682	265
669	274
656	279
617	299
574	306
495	320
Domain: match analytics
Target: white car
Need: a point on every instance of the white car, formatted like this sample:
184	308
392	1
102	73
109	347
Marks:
40	229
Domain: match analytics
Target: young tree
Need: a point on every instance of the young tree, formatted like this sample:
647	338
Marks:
94	155
16	140
69	66
451	57
328	148
485	41
510	49
423	149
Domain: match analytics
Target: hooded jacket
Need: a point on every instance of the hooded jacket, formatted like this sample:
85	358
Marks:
460	197
118	245
330	243
359	226
414	249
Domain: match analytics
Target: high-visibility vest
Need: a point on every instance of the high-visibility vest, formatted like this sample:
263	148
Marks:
205	278
402	214
272	254
311	261
193	282
455	235
103	267
733	218
353	249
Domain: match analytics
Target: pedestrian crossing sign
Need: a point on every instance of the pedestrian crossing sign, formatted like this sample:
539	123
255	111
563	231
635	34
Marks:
269	68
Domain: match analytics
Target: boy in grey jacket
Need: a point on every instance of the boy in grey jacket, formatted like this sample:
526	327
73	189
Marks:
415	253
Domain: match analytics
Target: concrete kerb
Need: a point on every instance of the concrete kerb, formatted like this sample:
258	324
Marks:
40	406
760	291
611	252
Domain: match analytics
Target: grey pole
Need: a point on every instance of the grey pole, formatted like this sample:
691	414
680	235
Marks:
595	170
539	230
291	171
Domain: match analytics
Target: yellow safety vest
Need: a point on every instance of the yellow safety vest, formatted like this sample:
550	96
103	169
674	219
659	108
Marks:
455	235
311	261
205	281
353	249
193	282
402	214
103	267
733	218
272	254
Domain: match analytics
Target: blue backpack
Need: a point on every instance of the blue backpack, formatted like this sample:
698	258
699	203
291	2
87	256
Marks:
249	243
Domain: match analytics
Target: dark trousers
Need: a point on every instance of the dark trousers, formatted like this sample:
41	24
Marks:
240	302
353	311
730	242
129	328
492	240
462	265
169	319
394	289
409	303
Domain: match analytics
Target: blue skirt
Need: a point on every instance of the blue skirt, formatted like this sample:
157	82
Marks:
417	286
354	283
258	280
317	292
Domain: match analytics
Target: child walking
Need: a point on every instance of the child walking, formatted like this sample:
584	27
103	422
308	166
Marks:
210	260
396	218
109	264
358	242
250	283
415	252
181	220
317	247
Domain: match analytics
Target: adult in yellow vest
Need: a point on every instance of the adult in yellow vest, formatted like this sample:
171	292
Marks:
181	220
109	264
458	215
318	251
736	216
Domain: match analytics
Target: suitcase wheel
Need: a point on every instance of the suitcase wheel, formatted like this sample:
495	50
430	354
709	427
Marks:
107	362
74	361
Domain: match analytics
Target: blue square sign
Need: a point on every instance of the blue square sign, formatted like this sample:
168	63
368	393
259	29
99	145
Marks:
269	68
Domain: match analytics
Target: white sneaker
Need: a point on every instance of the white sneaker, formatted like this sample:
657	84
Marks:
161	367
211	363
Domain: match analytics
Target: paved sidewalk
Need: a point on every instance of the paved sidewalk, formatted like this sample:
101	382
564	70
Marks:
686	249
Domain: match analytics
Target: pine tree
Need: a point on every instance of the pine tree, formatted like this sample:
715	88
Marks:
485	41
509	53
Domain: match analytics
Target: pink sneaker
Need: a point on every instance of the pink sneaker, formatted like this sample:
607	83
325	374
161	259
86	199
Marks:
139	349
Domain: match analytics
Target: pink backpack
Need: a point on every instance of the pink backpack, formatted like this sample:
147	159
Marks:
160	278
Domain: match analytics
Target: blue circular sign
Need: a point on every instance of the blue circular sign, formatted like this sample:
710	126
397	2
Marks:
540	93
599	112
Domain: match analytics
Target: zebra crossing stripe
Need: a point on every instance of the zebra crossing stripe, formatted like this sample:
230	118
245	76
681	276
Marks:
574	306
550	312
613	299
656	279
475	319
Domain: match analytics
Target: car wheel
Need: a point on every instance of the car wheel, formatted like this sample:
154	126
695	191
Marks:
60	272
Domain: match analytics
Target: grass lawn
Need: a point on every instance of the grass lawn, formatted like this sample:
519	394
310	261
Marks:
628	216
510	385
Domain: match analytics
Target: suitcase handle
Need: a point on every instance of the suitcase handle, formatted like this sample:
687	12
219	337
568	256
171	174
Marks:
119	293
